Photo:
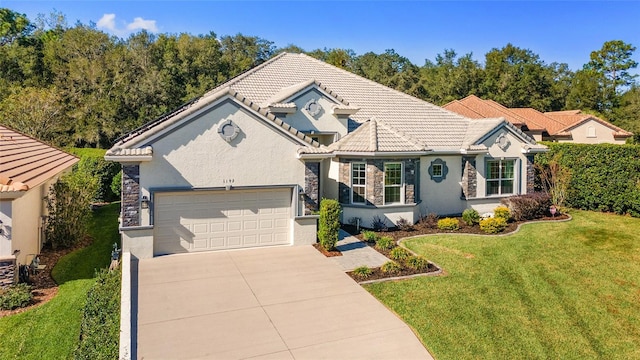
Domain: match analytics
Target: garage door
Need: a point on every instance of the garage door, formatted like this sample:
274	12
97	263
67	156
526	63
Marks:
200	221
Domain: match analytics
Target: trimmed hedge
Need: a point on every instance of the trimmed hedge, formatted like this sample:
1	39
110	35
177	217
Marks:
329	223
604	177
100	328
448	224
493	225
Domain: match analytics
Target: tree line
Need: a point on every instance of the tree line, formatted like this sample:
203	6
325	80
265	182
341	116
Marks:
74	85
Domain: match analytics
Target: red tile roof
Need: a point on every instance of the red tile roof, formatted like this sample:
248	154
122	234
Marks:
475	108
26	162
573	118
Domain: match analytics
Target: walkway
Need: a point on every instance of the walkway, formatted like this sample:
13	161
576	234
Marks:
355	253
269	303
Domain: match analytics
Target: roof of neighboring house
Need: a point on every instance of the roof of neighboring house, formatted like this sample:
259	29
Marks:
572	118
547	122
26	162
476	108
401	122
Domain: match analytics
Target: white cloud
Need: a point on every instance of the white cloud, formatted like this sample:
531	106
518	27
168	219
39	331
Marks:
108	22
140	23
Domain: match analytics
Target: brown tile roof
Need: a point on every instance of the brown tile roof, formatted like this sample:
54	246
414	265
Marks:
573	118
534	116
476	108
26	162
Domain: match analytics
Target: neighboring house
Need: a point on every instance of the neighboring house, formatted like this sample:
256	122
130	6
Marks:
27	168
561	126
247	163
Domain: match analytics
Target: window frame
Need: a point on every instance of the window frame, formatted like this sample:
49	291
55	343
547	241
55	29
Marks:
499	180
363	186
591	132
399	186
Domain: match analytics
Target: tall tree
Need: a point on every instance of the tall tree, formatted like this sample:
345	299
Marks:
390	69
13	25
612	62
450	77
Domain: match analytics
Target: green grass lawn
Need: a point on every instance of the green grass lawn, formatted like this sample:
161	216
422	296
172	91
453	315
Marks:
51	331
552	291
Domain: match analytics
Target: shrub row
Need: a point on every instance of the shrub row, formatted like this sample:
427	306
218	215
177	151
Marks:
15	296
604	177
529	206
100	328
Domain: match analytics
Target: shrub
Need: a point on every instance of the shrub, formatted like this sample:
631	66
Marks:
470	217
385	243
362	272
329	223
391	267
431	220
493	225
116	184
378	224
502	212
448	224
100	327
603	177
369	236
404	224
93	164
418	263
529	206
15	296
398	253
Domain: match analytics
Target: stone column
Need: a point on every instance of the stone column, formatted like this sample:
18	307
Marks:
311	187
344	185
375	182
130	195
409	181
469	177
531	174
7	271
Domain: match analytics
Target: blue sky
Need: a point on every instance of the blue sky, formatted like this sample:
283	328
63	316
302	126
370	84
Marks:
558	31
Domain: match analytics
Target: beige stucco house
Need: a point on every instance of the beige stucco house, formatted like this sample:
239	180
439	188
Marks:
246	164
28	167
561	126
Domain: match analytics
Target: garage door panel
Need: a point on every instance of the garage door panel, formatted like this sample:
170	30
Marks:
202	221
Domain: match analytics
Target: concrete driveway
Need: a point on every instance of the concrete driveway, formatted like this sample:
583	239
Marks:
269	303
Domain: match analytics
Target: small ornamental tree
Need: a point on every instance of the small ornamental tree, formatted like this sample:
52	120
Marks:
329	224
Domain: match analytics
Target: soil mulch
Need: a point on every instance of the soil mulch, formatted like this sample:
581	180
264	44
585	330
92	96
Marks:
377	273
326	253
43	287
425	228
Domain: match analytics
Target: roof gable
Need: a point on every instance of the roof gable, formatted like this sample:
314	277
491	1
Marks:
26	162
376	136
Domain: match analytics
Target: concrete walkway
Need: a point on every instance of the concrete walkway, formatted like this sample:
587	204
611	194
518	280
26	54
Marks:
269	303
355	253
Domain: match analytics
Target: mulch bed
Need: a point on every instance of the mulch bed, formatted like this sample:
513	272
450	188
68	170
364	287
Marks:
421	228
44	288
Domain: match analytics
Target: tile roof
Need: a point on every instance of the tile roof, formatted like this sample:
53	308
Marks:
573	118
26	162
376	136
476	108
546	122
433	126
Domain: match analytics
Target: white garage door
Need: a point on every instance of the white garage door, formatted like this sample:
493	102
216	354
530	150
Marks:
199	221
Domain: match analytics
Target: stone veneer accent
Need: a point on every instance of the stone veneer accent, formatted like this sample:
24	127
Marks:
130	195
311	187
469	177
375	180
531	174
7	271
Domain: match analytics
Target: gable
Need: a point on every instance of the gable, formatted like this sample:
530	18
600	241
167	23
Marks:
508	141
315	113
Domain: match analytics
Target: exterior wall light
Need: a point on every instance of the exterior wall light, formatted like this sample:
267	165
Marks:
144	203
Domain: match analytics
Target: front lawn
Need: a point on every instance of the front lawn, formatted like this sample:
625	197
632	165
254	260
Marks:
566	290
51	331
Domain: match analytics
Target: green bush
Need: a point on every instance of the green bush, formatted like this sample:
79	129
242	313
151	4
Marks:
448	224
329	223
385	243
100	327
418	263
116	184
493	225
391	267
470	217
369	236
399	253
604	177
93	164
362	272
502	212
15	296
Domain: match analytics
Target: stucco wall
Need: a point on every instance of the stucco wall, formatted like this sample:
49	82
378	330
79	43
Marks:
323	122
603	134
26	222
390	214
196	156
442	198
